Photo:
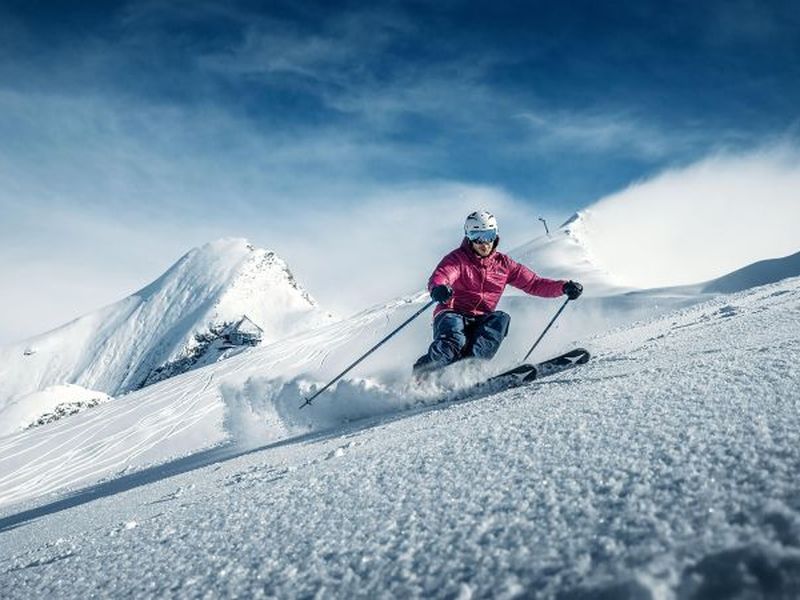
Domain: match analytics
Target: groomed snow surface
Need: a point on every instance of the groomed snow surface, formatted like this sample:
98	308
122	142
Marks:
666	467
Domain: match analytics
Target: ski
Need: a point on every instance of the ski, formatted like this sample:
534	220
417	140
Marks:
528	373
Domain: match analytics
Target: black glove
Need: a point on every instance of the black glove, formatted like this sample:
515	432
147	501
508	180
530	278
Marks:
441	293
573	289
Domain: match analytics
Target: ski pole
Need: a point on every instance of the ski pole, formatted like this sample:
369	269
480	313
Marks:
546	329
368	352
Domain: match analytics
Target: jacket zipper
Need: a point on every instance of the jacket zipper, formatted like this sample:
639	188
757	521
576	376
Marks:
483	281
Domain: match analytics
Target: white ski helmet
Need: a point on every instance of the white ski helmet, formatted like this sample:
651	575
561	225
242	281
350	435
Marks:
481	225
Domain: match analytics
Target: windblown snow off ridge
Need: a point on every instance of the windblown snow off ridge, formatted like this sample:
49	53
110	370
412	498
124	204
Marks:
682	227
697	223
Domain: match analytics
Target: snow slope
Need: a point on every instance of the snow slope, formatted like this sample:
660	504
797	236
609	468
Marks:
252	397
116	348
51	403
759	273
619	245
666	467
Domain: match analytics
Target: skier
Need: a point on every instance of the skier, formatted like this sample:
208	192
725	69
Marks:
467	284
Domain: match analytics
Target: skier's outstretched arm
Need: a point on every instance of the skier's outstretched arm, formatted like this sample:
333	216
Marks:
521	277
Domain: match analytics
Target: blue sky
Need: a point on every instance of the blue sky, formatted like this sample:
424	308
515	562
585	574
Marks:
130	132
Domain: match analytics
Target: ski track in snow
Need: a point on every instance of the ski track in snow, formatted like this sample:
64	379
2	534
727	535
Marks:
75	454
667	467
117	436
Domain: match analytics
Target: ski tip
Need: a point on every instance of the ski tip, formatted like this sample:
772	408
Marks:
585	355
532	375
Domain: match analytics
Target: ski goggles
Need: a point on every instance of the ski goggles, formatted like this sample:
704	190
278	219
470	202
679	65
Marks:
482	236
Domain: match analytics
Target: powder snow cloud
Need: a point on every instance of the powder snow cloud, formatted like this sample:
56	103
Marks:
699	222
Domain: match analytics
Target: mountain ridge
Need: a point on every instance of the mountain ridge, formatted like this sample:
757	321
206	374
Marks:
115	348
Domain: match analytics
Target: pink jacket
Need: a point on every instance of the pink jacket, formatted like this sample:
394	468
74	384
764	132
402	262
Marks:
479	282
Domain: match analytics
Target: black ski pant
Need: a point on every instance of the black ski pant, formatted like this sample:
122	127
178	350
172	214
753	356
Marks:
457	336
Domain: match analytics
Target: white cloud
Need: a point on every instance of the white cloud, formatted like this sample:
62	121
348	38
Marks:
100	194
387	242
621	133
60	263
351	247
334	50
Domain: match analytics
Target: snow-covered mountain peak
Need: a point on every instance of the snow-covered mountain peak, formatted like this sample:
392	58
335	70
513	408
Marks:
220	264
256	273
186	318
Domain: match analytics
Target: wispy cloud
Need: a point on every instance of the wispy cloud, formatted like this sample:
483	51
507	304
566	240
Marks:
620	133
337	49
389	241
751	22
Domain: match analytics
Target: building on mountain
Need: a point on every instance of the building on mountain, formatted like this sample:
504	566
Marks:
243	333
